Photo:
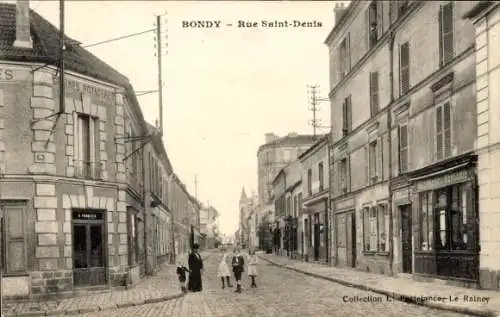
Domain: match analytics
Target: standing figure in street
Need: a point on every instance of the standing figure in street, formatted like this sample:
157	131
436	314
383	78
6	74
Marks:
238	263
195	263
252	267
181	274
223	270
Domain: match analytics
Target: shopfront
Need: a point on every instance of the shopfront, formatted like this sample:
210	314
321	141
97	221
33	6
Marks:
446	227
318	224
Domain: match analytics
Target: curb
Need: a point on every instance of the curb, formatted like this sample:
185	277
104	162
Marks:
399	297
77	311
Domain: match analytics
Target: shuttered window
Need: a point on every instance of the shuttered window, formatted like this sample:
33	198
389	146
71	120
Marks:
443	131
372	24
343	175
446	47
346	116
372	153
404	68
374	95
403	148
344	57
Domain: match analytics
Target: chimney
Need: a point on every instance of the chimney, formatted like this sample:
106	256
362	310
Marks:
23	36
270	137
339	11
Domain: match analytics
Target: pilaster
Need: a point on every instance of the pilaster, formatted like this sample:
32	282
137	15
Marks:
120	141
46	226
43	142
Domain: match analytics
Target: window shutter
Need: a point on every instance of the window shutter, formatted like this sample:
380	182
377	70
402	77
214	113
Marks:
15	239
367	164
394	5
380	19
344	117
348	173
368	17
404	68
374	93
439	133
447	26
348	52
339	177
440	30
349	114
447	129
380	158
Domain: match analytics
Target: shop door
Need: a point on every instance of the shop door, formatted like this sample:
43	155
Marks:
89	265
317	236
351	239
406	244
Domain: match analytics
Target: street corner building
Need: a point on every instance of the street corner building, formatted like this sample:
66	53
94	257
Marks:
413	141
86	187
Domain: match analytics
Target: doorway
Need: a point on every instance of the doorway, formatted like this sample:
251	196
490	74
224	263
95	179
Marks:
317	236
406	244
353	239
89	260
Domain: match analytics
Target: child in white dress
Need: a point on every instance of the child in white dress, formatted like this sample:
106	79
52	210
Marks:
223	271
252	267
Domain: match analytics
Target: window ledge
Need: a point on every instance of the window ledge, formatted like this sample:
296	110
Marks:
25	274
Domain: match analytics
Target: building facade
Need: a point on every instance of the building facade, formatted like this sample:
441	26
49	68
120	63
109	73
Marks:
272	156
293	196
279	198
403	139
315	212
209	226
485	16
82	205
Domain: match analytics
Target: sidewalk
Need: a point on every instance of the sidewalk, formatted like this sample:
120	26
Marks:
152	289
462	300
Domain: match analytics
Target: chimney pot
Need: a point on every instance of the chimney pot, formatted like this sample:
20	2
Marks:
23	33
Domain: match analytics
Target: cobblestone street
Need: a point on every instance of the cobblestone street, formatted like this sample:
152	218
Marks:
280	293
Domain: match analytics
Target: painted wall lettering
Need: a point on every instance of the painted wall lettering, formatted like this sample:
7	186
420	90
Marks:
6	74
73	86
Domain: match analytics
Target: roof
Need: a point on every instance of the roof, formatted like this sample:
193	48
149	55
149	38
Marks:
46	48
300	139
281	172
338	24
314	146
479	8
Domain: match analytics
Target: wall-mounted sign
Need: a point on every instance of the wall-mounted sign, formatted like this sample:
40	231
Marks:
73	86
88	215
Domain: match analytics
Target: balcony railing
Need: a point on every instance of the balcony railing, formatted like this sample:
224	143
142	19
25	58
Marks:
87	170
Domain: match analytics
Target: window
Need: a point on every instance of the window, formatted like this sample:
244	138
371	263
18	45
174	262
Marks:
343	175
85	140
403	148
287	155
402	7
374	96
404	68
346	116
375	229
268	158
299	211
446	49
372	163
295	206
14	238
373	23
288	206
426	221
321	177
309	181
443	131
344	57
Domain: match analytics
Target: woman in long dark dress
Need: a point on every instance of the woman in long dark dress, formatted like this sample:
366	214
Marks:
195	263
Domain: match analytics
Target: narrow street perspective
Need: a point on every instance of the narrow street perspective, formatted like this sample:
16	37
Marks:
280	293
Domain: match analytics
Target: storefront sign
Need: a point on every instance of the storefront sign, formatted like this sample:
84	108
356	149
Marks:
73	86
87	215
345	204
444	180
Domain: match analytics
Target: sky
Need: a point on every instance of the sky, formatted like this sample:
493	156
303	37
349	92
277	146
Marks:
223	88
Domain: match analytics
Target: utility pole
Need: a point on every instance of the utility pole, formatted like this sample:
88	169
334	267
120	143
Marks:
61	56
160	81
314	107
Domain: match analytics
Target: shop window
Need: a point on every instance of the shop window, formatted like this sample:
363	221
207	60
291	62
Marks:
451	210
376	229
133	237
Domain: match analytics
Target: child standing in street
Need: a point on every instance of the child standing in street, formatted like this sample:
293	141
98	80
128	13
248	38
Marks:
238	263
223	270
181	274
252	267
